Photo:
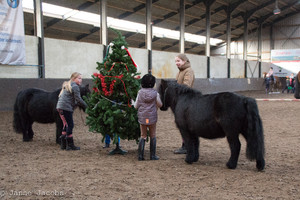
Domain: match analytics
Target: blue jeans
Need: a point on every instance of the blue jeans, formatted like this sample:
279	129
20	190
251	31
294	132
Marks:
107	139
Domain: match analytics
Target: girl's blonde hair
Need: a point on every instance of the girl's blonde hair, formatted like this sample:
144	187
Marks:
67	84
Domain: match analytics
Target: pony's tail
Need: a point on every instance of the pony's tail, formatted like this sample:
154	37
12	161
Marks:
255	136
17	120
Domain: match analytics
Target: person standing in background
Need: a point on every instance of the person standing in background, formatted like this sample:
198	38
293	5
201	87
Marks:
271	74
185	76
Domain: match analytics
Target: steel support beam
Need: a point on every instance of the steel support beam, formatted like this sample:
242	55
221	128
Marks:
259	52
272	43
245	42
228	39
182	26
39	32
149	33
103	26
208	4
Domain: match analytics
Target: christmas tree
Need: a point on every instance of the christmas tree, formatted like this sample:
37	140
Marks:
115	86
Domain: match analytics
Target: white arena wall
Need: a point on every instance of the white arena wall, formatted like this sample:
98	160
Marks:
63	57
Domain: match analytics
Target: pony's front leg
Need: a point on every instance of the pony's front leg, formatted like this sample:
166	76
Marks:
25	136
25	129
190	153
235	147
189	143
30	132
195	144
59	127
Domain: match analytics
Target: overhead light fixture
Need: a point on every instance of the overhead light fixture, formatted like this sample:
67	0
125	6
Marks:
276	11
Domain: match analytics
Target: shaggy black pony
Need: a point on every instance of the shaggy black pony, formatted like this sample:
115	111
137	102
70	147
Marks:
213	116
37	105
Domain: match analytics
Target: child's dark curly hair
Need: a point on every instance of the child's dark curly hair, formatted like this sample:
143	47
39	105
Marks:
148	81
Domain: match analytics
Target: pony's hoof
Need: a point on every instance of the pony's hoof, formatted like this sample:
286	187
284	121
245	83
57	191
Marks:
27	140
230	166
188	161
196	158
260	165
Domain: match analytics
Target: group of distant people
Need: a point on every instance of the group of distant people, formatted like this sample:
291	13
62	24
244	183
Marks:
290	84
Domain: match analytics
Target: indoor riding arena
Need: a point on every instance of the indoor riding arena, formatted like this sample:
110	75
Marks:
91	173
248	48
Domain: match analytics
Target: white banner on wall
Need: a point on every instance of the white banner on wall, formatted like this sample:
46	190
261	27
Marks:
288	59
12	40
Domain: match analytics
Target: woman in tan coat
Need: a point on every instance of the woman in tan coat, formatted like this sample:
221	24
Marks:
185	76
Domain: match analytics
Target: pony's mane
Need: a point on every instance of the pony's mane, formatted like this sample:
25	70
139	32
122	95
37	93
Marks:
298	76
183	89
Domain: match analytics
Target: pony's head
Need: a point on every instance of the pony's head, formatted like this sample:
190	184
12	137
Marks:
165	93
265	74
84	92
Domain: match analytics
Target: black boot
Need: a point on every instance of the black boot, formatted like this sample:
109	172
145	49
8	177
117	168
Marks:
141	149
63	142
181	150
70	144
153	149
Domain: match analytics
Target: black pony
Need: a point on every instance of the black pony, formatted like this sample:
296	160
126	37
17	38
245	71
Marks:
37	105
213	116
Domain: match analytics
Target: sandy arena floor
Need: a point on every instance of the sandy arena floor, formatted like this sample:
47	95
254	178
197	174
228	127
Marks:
40	170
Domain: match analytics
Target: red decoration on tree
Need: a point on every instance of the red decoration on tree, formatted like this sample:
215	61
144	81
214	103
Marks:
116	85
129	56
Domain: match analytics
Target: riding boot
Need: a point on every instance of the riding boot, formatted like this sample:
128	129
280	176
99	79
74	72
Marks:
153	149
141	149
181	150
70	144
63	142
